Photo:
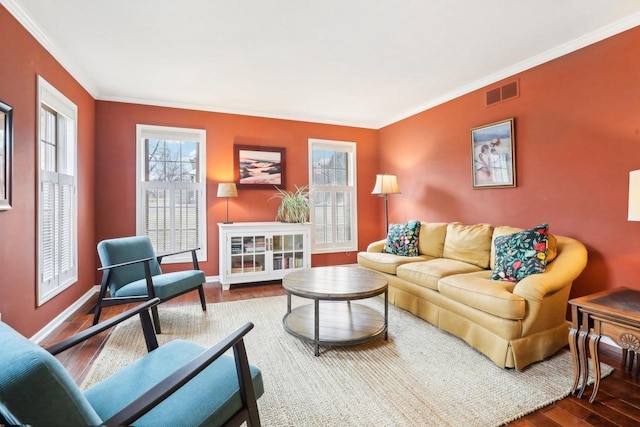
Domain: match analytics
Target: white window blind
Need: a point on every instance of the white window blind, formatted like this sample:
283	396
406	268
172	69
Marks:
57	204
171	205
332	178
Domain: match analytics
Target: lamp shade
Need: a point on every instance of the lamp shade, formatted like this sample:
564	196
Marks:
386	184
227	189
634	195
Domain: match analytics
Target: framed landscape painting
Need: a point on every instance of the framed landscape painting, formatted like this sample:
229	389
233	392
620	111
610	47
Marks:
258	166
493	156
6	146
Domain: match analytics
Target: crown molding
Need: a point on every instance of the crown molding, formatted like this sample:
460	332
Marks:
240	111
588	39
43	38
610	30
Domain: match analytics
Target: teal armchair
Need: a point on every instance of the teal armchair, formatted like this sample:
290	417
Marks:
179	383
131	273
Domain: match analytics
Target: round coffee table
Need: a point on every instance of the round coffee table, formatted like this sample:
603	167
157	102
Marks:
332	319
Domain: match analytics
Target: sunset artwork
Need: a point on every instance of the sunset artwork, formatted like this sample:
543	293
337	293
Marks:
260	167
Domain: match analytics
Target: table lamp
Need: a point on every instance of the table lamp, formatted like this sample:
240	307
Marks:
227	189
386	184
634	196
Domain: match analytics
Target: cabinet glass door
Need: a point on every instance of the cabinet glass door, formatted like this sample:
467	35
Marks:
248	254
288	251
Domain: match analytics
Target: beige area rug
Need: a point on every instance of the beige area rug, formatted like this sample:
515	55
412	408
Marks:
421	376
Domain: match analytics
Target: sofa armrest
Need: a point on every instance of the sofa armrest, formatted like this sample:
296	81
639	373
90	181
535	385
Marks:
561	272
547	294
376	246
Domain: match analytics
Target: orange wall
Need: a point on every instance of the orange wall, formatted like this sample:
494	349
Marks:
577	137
21	60
577	132
116	172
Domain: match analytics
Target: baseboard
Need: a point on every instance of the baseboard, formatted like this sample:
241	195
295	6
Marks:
59	320
608	341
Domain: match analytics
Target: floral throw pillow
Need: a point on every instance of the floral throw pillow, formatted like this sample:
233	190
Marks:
521	254
402	239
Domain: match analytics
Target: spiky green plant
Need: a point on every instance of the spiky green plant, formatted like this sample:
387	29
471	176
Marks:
294	205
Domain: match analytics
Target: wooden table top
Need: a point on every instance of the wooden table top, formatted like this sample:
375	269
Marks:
335	283
619	301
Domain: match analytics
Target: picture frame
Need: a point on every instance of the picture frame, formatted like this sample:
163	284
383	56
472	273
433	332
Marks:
6	155
259	166
493	163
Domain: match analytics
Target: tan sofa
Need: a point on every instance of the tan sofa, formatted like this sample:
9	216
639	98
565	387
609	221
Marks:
448	284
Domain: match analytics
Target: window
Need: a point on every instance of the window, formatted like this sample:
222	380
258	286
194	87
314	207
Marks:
332	174
57	195
171	201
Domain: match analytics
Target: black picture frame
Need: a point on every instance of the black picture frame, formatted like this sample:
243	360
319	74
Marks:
6	155
257	166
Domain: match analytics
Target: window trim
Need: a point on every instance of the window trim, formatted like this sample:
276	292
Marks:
48	95
177	133
349	147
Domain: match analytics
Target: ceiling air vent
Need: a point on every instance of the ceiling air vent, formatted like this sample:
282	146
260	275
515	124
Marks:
502	93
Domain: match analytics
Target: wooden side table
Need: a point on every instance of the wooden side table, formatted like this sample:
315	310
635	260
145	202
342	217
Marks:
613	313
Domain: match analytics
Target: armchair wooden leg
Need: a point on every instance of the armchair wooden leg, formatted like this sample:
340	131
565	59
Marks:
203	301
96	313
156	319
247	392
106	275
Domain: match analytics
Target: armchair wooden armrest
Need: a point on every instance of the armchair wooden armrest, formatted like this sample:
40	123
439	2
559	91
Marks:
147	327
194	257
124	264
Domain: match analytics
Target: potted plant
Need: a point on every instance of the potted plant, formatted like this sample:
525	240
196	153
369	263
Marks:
294	205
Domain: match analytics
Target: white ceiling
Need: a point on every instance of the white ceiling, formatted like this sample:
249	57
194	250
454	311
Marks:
365	63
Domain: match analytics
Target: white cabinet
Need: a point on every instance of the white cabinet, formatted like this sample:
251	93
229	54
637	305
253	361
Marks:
261	251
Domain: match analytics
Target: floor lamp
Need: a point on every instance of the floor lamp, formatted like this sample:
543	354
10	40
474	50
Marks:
227	190
386	184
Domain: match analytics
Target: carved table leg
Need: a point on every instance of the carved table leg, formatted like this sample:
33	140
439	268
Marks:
573	346
583	365
593	348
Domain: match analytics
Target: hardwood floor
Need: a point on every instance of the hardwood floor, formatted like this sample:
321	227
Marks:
617	403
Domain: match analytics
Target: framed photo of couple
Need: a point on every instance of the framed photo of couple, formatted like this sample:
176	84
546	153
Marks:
493	163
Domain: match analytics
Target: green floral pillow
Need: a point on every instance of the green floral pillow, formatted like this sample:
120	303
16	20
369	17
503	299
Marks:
402	239
521	254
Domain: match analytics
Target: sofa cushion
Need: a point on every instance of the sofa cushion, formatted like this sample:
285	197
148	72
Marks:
386	263
402	239
478	291
427	273
469	243
431	240
165	285
503	230
521	254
